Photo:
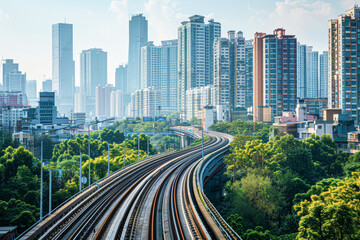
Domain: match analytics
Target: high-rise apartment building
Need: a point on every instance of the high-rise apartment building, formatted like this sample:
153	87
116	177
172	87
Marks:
93	72
197	99
274	73
159	70
150	66
145	103
138	37
63	66
116	104
249	59
344	75
307	72
324	74
31	89
47	86
229	70
121	78
195	55
103	100
13	79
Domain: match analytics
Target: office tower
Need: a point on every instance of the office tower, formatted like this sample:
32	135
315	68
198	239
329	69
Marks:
307	72
7	67
159	70
12	99
31	89
103	100
249	59
343	63
324	74
229	70
13	79
63	66
274	73
145	102
93	72
195	55
47	86
121	78
138	37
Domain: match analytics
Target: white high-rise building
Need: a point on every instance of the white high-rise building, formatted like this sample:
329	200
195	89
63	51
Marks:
229	70
307	72
13	79
324	74
31	89
103	100
195	56
116	104
197	99
159	70
145	103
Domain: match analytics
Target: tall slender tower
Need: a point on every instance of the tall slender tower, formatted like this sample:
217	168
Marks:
344	71
138	37
63	66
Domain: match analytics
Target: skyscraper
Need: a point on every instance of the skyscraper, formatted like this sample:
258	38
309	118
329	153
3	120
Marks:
138	37
13	79
324	74
249	59
195	55
159	70
121	78
63	66
229	70
93	72
47	86
31	89
103	100
274	73
150	66
307	72
343	63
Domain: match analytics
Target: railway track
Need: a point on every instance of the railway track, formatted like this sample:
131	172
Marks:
154	198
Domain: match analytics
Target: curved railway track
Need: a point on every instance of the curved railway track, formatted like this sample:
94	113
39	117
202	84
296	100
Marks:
157	198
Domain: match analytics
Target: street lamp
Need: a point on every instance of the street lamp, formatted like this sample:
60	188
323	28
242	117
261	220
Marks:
42	162
49	189
108	159
91	124
80	171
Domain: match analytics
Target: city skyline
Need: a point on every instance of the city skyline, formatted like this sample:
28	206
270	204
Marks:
109	19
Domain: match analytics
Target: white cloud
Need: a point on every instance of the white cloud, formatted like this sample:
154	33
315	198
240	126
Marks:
347	4
3	15
304	18
120	8
163	19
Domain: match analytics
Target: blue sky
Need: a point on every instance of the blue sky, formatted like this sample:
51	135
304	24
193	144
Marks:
26	24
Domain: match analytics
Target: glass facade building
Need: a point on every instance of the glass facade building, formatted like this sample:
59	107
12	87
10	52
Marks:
63	66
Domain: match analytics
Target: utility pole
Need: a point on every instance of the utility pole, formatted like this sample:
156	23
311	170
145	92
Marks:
108	159
138	147
147	145
89	152
124	145
49	190
42	180
80	171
